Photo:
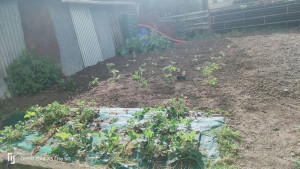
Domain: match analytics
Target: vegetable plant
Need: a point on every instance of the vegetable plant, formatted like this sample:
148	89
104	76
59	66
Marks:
171	71
113	73
94	82
138	75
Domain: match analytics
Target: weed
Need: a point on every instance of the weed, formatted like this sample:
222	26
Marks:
152	72
226	138
198	68
126	65
67	84
155	64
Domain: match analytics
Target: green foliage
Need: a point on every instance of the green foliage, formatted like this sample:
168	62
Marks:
110	141
133	135
113	73
67	84
55	114
94	82
153	42
84	113
185	146
138	75
212	81
31	73
172	70
176	109
11	135
226	138
39	141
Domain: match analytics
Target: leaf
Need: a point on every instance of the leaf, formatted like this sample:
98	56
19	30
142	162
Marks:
148	133
133	135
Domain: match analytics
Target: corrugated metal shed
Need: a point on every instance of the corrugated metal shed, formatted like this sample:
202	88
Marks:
103	30
11	34
11	39
70	55
86	34
38	28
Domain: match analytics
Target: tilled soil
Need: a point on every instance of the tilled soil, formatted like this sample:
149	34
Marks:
259	81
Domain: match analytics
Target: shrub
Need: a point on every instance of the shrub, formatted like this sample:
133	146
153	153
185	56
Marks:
153	41
67	84
31	73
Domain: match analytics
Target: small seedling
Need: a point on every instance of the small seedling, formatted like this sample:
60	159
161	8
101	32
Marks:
153	72
212	81
132	60
228	46
198	68
163	58
93	82
155	64
210	49
126	65
113	73
138	75
171	72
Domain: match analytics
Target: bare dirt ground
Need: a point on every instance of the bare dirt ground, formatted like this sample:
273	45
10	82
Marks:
259	81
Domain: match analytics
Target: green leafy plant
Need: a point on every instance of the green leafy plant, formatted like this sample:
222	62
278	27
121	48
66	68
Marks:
172	70
39	141
55	114
138	75
11	135
185	150
110	141
227	138
113	73
68	84
94	82
31	73
85	113
212	81
153	41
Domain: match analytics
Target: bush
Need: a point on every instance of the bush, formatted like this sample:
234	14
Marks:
68	84
153	41
31	73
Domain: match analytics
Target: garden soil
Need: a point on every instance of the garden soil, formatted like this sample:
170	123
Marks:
259	81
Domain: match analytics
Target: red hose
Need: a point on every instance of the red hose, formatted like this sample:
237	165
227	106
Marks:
172	39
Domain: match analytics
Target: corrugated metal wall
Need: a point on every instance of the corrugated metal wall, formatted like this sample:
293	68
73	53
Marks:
38	28
70	55
103	30
11	38
86	34
11	34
